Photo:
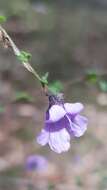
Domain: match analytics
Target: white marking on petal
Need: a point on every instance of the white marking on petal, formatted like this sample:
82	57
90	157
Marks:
73	108
59	141
56	113
64	135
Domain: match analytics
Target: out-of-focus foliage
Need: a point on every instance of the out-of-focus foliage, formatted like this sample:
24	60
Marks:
2	109
13	7
23	96
2	19
91	76
103	85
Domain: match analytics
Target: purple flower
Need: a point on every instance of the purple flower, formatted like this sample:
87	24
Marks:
36	162
62	122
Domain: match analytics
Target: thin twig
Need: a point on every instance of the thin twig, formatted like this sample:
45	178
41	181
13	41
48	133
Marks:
5	38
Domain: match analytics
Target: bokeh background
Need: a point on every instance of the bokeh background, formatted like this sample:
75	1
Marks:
67	38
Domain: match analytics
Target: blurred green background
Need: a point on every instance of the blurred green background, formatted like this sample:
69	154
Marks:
68	39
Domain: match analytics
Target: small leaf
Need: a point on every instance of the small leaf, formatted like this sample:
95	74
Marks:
24	56
91	76
27	55
56	87
2	18
44	78
103	85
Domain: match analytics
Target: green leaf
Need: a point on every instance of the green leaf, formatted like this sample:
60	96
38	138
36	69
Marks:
56	87
103	85
2	18
24	56
91	76
23	96
44	78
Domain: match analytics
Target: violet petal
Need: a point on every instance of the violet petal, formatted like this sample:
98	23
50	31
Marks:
59	141
56	112
73	108
43	137
78	126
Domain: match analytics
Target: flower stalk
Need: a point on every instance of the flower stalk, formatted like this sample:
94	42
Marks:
8	43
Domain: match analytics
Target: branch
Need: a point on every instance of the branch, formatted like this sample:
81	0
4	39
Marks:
8	42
